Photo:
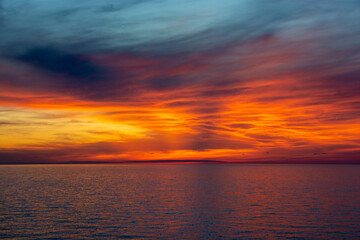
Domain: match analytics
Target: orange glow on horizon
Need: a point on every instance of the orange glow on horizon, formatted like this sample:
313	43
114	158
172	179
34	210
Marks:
267	117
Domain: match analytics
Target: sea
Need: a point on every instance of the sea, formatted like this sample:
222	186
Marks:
179	201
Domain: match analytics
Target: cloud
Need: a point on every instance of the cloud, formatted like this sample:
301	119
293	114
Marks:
139	26
181	78
70	65
163	83
8	123
241	125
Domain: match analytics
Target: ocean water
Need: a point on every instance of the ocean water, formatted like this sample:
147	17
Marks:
166	201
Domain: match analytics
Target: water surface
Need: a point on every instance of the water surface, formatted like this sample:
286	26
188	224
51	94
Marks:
180	201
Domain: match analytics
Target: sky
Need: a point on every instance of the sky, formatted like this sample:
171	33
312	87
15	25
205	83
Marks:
156	80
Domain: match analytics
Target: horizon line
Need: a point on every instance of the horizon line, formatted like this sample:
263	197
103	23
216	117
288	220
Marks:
346	162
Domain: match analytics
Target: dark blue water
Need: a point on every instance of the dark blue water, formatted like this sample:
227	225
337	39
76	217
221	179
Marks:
180	202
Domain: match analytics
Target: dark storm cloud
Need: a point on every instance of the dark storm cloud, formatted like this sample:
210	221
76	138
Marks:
70	65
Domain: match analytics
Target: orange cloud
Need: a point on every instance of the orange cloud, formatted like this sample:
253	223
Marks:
243	104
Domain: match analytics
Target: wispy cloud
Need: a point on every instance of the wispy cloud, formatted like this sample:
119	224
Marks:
146	80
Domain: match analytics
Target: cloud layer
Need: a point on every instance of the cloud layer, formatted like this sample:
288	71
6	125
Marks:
182	80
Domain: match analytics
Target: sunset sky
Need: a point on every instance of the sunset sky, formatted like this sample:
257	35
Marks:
231	80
